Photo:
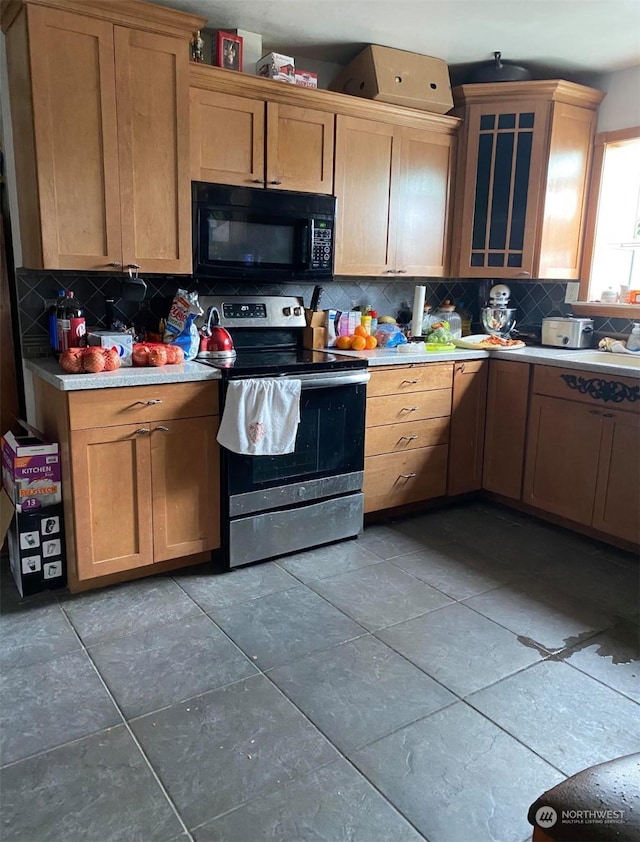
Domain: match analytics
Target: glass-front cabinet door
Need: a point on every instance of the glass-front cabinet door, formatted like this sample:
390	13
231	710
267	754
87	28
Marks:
506	149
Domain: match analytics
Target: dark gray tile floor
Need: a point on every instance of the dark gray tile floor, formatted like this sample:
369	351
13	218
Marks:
427	681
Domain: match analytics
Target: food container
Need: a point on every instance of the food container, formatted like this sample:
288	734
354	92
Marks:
447	313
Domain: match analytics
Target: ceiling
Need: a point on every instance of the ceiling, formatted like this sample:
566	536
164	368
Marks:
567	38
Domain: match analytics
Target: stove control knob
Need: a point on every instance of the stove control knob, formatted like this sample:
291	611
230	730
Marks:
286	311
297	311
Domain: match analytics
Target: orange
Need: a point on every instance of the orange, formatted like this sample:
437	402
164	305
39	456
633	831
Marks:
358	343
371	343
343	343
360	331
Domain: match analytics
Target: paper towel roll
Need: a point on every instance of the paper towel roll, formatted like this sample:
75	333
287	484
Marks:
418	310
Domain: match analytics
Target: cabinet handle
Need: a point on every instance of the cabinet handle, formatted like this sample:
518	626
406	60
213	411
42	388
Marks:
150	403
402	271
115	263
389	271
275	181
608	415
409	408
407	476
460	368
408	438
133	265
161	429
523	274
409	381
142	431
258	181
594	412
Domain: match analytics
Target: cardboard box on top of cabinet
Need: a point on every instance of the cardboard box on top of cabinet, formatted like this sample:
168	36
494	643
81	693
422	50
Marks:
32	514
398	77
277	66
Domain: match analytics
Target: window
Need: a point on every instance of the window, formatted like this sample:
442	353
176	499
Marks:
612	243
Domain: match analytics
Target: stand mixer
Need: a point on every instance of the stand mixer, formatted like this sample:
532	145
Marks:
498	319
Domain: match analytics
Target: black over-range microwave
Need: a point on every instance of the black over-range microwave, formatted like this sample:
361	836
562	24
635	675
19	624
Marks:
245	233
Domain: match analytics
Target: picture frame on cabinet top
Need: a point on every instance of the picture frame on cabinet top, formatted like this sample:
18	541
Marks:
228	52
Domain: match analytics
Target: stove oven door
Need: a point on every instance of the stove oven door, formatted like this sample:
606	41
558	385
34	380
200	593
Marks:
281	504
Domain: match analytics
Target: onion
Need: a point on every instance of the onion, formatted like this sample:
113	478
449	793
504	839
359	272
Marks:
157	356
111	359
140	354
93	360
71	360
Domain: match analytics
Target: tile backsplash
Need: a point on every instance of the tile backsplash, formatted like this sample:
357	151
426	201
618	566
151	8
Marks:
533	300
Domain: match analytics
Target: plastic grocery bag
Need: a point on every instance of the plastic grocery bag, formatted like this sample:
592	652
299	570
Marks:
180	328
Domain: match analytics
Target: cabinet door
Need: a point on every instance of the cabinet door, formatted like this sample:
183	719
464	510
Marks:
424	207
505	430
227	139
185	470
367	159
572	133
299	148
111	472
152	86
395	479
505	160
74	118
562	458
617	505
467	427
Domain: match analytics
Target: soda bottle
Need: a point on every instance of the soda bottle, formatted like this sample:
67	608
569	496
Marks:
70	323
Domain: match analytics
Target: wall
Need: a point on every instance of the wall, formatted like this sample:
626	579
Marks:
621	106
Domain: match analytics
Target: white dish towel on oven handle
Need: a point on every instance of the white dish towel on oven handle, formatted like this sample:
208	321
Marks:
261	416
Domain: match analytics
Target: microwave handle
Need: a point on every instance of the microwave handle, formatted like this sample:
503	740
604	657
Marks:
305	244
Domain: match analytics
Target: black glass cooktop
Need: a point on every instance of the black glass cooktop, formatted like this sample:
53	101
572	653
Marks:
271	362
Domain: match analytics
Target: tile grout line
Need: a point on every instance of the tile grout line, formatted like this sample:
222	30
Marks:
124	722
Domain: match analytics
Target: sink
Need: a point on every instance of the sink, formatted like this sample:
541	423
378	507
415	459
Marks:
603	358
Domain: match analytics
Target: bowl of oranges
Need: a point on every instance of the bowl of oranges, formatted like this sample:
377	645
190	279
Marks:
360	340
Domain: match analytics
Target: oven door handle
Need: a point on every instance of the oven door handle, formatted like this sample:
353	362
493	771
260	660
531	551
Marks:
321	380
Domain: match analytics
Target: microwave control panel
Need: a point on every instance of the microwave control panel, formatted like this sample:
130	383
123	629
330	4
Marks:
321	244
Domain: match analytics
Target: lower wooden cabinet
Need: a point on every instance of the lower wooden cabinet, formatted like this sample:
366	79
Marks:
466	442
505	427
140	493
407	435
583	456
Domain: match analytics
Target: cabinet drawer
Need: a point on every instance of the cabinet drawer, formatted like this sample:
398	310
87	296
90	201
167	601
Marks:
394	479
397	438
411	378
415	406
598	390
141	404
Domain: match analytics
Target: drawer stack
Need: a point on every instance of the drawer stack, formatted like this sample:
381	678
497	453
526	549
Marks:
407	434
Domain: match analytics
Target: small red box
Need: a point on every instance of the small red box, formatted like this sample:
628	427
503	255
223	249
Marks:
306	79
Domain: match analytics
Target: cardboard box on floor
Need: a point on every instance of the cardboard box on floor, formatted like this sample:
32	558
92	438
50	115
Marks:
398	77
31	514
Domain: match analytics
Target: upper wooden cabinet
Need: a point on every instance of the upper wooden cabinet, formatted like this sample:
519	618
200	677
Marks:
523	168
249	142
392	184
99	105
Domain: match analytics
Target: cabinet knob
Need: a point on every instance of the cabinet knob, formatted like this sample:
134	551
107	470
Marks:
161	429
142	431
275	181
407	476
258	181
151	402
115	263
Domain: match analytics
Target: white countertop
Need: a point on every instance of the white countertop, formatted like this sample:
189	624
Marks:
610	364
49	370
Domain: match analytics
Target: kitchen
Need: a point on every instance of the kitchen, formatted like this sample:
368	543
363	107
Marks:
338	294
